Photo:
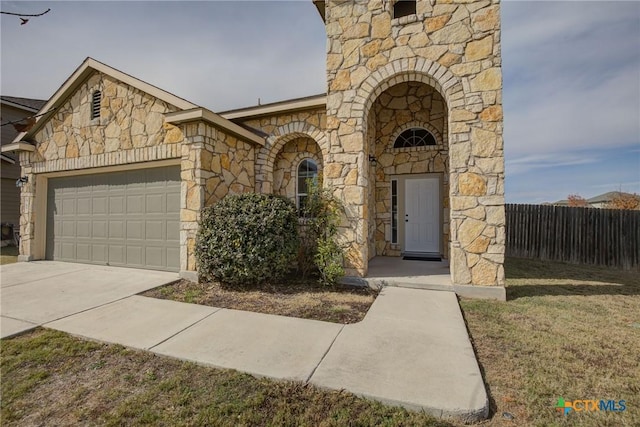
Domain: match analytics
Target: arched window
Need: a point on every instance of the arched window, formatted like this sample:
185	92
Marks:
404	8
414	137
96	98
307	169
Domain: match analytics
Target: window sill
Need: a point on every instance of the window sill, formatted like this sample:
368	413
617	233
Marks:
421	148
410	19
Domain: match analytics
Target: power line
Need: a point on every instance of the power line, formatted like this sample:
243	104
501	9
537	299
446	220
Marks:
26	118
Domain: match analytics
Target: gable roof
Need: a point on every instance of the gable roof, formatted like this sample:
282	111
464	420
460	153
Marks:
29	104
88	67
600	198
607	197
187	110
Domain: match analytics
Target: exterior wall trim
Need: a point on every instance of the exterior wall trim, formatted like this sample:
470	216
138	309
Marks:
18	146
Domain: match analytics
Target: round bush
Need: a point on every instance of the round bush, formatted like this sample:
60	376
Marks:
247	239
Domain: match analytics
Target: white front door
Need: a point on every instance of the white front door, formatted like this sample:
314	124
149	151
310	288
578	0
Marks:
422	215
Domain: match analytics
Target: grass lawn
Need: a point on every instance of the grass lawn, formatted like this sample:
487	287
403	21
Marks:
293	297
50	378
8	255
566	331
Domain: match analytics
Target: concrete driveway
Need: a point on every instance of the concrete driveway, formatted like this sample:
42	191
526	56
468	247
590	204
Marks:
34	293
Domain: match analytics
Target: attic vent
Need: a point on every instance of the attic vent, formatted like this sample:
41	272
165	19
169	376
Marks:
95	104
404	8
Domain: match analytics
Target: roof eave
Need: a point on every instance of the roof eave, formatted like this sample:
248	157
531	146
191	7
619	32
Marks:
320	5
20	106
207	116
7	159
17	146
276	108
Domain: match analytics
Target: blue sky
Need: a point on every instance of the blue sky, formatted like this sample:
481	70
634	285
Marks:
571	72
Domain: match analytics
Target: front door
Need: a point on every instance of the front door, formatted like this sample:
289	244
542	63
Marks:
422	215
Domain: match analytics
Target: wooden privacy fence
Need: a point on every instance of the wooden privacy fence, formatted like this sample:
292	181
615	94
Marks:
607	237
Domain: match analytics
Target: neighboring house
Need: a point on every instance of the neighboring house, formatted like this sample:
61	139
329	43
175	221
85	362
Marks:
12	110
600	201
408	136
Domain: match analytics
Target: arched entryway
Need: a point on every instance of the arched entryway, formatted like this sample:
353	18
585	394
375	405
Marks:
407	137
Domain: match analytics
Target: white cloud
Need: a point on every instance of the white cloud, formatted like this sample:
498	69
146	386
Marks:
572	81
528	163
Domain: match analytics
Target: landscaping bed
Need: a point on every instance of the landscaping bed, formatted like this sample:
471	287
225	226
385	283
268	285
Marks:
292	297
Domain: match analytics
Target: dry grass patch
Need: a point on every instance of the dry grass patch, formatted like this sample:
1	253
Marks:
52	379
566	331
293	297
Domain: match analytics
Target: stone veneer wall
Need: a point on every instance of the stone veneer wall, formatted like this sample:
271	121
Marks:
281	129
129	118
287	161
214	164
453	46
399	108
130	129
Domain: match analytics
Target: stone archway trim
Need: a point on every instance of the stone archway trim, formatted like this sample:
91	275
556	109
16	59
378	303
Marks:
404	70
266	156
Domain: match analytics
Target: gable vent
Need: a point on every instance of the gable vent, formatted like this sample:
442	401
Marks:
95	104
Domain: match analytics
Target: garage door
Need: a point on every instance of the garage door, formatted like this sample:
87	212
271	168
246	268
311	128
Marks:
128	219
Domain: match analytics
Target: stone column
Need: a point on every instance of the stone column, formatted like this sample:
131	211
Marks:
27	211
346	174
192	196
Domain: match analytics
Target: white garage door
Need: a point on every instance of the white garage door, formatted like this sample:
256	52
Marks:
128	219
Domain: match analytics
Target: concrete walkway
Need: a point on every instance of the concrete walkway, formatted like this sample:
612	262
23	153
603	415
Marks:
34	293
412	348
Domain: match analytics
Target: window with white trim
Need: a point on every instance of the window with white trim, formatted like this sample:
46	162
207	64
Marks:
96	99
414	137
307	169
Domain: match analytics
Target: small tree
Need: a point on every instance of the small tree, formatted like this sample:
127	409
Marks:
577	201
319	249
624	201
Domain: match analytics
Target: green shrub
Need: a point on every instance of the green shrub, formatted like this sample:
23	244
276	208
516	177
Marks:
319	249
247	239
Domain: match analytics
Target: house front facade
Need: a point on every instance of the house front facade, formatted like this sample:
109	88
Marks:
408	136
